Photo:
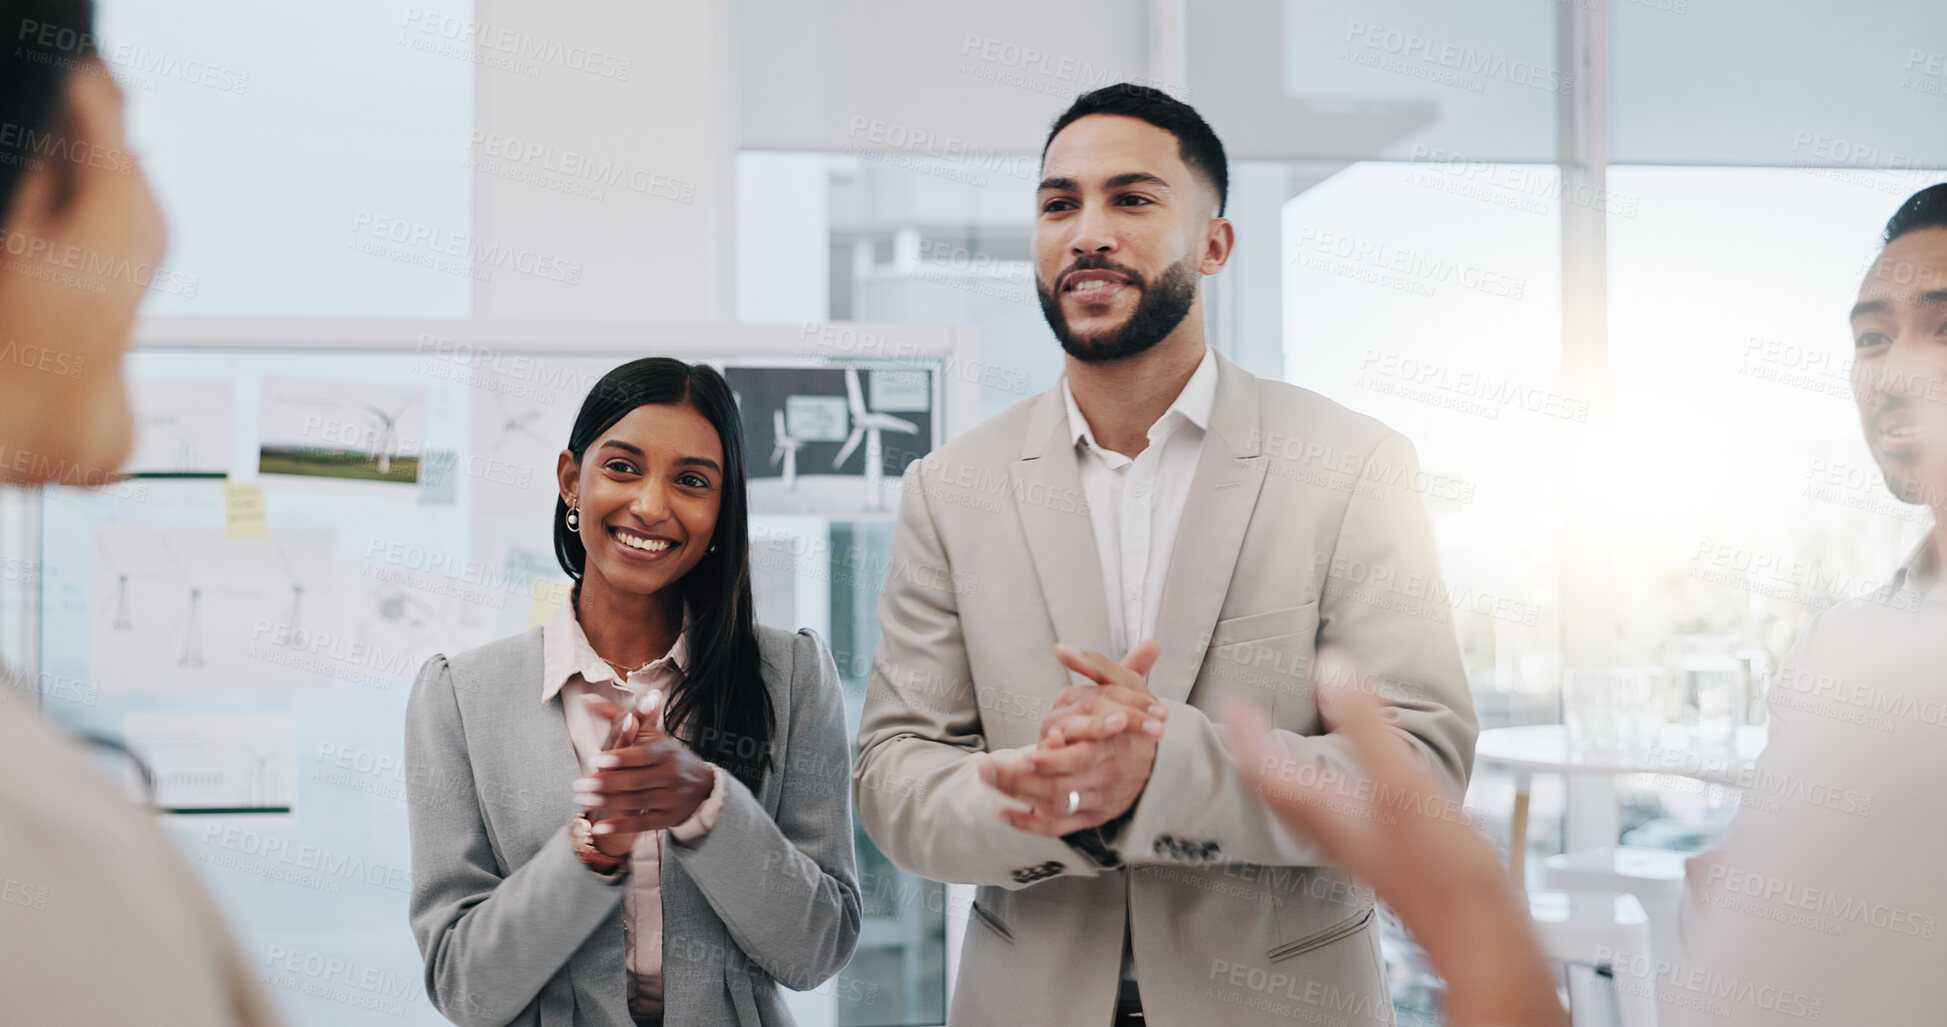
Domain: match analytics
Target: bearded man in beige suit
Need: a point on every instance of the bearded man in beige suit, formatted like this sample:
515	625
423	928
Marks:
1214	530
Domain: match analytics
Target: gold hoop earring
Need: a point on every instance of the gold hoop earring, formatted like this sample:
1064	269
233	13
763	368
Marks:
574	518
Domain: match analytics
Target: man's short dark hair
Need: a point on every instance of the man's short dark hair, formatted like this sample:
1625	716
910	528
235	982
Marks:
1195	142
1924	209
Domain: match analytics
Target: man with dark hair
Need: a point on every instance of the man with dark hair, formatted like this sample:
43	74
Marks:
1825	900
1213	529
1198	147
1900	356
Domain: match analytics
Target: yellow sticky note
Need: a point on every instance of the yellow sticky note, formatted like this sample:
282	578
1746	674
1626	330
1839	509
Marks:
543	598
243	511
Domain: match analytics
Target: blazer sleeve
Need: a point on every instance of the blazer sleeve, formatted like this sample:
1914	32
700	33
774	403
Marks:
1196	809
490	942
788	889
920	740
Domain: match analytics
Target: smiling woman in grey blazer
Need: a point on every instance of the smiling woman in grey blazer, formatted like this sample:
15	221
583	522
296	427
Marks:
638	813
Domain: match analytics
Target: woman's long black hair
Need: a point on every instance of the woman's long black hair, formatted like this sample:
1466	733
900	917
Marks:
721	709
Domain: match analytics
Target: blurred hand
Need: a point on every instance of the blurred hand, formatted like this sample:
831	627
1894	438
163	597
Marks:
1098	742
1384	828
1400	830
649	781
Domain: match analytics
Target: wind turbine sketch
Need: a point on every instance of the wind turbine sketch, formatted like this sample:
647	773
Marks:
293	620
867	425
191	625
402	610
121	620
518	423
786	450
257	787
186	455
387	427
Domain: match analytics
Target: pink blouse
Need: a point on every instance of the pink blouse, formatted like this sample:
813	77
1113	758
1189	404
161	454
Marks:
571	668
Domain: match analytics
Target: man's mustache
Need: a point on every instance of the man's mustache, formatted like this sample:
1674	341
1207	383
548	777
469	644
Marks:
1094	263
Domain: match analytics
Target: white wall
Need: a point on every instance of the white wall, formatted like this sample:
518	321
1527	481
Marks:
656	244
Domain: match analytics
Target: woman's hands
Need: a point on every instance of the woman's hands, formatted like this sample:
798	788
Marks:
650	781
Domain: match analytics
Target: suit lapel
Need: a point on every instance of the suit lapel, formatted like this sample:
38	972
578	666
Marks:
555	755
541	769
1047	482
1223	494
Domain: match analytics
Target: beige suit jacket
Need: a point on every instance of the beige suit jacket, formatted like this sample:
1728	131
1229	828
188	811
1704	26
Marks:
1303	528
102	921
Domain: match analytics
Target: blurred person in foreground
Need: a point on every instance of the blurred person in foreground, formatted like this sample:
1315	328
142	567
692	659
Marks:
101	919
1825	900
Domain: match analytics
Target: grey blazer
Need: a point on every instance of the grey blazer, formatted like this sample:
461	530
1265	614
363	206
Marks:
514	930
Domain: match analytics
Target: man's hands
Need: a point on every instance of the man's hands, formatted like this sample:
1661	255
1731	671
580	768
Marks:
1099	742
649	782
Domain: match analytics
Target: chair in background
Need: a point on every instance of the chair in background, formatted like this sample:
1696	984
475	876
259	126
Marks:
1587	931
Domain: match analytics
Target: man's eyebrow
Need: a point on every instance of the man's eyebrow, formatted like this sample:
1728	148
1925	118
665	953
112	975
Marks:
1930	298
1127	178
1136	178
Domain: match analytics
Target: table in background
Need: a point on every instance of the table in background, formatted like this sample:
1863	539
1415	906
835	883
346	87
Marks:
1545	749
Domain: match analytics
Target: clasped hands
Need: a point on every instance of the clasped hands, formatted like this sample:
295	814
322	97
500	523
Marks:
648	781
1096	750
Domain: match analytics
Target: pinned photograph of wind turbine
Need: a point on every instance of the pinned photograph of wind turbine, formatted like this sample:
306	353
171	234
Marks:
349	430
837	439
385	432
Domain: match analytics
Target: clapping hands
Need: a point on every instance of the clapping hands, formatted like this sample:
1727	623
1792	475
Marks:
1096	750
648	781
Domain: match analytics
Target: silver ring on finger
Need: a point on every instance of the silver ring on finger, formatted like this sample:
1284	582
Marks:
1074	801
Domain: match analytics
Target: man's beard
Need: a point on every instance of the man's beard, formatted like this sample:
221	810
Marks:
1161	308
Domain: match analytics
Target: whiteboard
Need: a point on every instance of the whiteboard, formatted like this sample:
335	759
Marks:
261	651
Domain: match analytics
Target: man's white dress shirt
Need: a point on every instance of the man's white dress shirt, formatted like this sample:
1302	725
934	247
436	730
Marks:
1136	504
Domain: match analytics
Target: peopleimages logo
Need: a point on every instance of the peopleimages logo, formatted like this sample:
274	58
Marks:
578	166
516	44
89	269
1455	64
424	244
1038	71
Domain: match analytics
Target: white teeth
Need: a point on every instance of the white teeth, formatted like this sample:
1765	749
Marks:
1902	432
645	544
1094	283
